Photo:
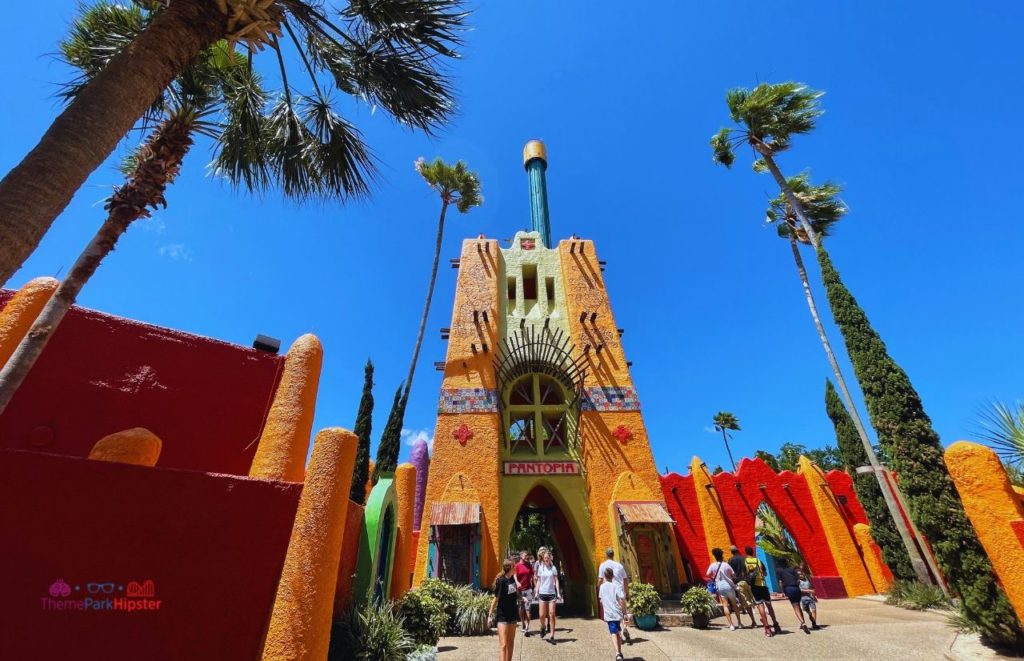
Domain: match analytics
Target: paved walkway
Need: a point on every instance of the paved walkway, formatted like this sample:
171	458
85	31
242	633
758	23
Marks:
852	629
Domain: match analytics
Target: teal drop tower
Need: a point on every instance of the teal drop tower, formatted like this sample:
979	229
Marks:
535	160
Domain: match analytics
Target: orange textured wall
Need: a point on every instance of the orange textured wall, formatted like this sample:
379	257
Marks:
878	571
20	312
995	512
840	539
405	497
349	558
716	531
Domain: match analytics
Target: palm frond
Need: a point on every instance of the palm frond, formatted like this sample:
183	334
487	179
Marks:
434	26
1003	430
821	204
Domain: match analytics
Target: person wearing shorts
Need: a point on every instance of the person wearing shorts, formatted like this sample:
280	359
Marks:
808	600
759	589
524	579
791	588
725	584
545	581
744	597
506	606
619	576
613	604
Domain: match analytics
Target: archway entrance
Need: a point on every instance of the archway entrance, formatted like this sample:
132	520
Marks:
541	522
774	542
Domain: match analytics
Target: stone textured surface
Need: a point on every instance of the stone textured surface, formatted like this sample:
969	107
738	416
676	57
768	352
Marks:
879	573
20	312
137	446
281	454
405	496
300	625
840	538
995	512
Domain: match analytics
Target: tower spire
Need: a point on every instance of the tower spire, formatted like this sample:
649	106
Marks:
535	160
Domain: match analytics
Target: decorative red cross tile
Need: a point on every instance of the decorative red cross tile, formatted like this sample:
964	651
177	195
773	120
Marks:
622	434
528	244
463	434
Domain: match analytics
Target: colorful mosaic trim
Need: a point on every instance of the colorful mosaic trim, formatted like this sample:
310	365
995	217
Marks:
597	398
468	400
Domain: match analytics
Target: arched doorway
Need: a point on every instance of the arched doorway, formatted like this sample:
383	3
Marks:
541	521
774	541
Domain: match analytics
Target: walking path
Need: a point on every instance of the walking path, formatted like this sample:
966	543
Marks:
852	629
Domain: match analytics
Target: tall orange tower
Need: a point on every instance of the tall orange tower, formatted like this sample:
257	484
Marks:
538	415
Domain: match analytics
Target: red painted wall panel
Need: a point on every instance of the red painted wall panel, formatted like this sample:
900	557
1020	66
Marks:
213	545
207	400
681	499
842	486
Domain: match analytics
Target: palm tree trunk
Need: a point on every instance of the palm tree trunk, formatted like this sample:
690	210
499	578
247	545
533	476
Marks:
725	439
430	295
791	198
34	193
920	568
159	161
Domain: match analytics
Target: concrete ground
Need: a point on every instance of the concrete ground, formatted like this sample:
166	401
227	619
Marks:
851	629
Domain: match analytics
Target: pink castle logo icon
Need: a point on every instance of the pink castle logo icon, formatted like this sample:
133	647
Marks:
60	589
145	589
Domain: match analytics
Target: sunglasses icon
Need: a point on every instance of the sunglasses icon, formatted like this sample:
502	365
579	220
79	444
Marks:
96	588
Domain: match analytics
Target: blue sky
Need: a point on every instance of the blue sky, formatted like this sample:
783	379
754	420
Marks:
921	100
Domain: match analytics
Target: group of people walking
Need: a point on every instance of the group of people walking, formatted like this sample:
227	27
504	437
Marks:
741	585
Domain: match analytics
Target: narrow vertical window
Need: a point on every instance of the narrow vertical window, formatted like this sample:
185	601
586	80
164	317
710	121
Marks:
512	292
549	287
530	282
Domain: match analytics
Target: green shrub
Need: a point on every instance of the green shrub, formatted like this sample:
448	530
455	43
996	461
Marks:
473	611
422	653
697	601
917	596
448	595
382	636
424	617
643	599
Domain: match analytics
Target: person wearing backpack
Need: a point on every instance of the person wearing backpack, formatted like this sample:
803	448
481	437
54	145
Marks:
744	597
756	573
725	585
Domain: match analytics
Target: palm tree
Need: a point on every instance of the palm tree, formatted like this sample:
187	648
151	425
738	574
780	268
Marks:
1003	429
454	184
768	117
386	52
726	422
316	154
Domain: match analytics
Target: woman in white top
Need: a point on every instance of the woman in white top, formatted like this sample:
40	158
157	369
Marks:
545	581
725	582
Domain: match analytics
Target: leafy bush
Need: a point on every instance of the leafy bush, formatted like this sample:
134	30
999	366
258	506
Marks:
424	617
422	653
383	637
697	601
473	611
643	599
917	596
449	596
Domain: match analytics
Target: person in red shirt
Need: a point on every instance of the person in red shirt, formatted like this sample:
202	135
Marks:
524	580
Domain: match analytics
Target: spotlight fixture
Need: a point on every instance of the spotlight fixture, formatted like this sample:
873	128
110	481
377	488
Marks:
267	344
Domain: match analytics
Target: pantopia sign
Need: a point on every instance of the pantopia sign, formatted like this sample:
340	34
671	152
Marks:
542	468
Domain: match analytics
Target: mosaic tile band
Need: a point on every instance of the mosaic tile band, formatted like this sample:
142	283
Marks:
598	398
468	400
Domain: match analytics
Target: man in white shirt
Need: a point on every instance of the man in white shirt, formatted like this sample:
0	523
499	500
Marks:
613	604
619	576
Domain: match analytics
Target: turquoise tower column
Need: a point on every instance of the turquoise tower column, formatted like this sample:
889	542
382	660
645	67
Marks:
535	160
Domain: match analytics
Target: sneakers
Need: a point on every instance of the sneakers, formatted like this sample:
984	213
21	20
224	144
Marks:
625	635
543	630
732	627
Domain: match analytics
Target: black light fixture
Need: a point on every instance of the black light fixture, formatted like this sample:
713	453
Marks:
266	344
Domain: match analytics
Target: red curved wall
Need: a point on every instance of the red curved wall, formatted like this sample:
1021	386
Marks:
841	484
213	545
206	400
681	499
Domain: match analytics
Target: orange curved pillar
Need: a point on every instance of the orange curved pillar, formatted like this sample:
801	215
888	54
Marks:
405	496
840	540
716	532
137	446
281	454
20	313
300	624
369	481
879	573
995	512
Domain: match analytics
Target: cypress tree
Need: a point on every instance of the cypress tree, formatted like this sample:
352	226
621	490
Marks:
364	422
391	439
905	433
866	485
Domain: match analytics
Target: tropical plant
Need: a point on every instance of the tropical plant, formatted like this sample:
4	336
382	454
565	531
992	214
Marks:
382	636
914	595
866	486
768	117
423	616
643	599
906	433
725	422
422	653
385	52
773	537
473	614
1003	430
362	428
449	596
697	601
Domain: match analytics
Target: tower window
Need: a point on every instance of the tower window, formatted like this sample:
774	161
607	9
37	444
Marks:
512	291
530	282
549	287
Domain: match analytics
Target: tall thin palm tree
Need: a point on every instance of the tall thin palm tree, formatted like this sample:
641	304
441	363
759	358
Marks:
725	422
454	184
316	153
766	119
387	52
